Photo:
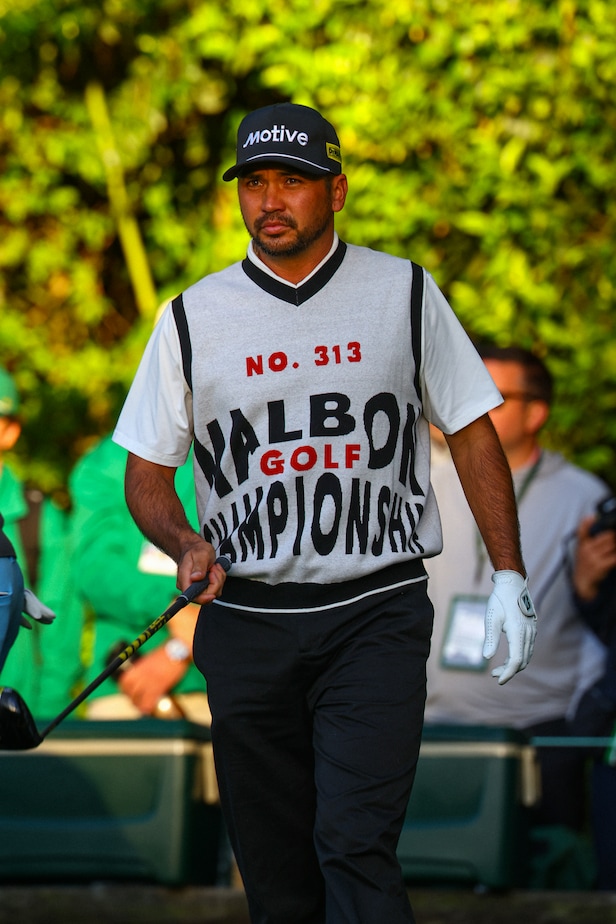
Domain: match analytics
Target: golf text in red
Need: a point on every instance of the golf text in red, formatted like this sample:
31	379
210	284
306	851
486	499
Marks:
304	458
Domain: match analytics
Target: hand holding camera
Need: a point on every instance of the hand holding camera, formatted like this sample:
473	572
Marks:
606	517
595	553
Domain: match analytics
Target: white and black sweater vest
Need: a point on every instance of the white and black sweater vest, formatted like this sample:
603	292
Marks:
312	459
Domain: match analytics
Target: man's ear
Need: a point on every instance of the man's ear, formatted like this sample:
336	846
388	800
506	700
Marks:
340	188
537	414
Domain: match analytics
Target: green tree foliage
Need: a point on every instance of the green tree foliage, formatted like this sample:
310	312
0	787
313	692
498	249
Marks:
478	139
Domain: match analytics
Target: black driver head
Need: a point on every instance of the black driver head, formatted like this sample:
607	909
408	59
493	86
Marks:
17	729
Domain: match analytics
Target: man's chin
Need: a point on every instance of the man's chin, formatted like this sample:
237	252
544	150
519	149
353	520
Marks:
277	247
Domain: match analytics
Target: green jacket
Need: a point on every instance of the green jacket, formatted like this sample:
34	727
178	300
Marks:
61	673
44	664
114	569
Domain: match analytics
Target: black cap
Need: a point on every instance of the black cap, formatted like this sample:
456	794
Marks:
289	134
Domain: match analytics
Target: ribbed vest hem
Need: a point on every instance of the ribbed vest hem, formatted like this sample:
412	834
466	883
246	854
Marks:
242	593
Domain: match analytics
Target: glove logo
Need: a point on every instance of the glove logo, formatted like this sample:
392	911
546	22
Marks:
526	604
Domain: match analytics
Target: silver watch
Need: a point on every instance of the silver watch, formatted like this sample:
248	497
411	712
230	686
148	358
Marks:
176	650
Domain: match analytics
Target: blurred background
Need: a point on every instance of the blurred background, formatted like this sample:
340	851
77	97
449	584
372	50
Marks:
479	139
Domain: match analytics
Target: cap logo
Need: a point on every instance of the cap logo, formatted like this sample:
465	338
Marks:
277	133
333	152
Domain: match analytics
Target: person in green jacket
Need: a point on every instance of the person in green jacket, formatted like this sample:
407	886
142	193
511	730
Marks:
61	671
125	583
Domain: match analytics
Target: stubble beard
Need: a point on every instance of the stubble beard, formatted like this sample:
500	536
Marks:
303	239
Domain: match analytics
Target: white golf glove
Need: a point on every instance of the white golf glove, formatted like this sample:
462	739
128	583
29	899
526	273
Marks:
37	610
510	610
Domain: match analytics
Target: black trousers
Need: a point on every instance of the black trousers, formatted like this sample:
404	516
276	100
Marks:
317	722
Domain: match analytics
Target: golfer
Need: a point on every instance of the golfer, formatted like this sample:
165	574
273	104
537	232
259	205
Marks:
306	377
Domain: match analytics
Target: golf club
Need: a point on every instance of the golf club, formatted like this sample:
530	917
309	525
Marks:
18	731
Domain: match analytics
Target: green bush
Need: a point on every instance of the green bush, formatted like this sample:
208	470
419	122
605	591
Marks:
478	139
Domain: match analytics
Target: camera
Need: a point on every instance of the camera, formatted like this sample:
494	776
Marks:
606	517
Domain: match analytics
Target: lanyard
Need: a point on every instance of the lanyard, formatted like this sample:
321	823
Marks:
481	555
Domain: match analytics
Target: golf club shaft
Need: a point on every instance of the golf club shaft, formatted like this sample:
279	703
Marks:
178	604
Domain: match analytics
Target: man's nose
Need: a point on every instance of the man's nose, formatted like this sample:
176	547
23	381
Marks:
272	200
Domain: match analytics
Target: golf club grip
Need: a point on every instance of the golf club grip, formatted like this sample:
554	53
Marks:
178	604
193	590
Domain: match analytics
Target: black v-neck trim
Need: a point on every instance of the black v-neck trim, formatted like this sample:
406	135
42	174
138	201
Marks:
301	294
